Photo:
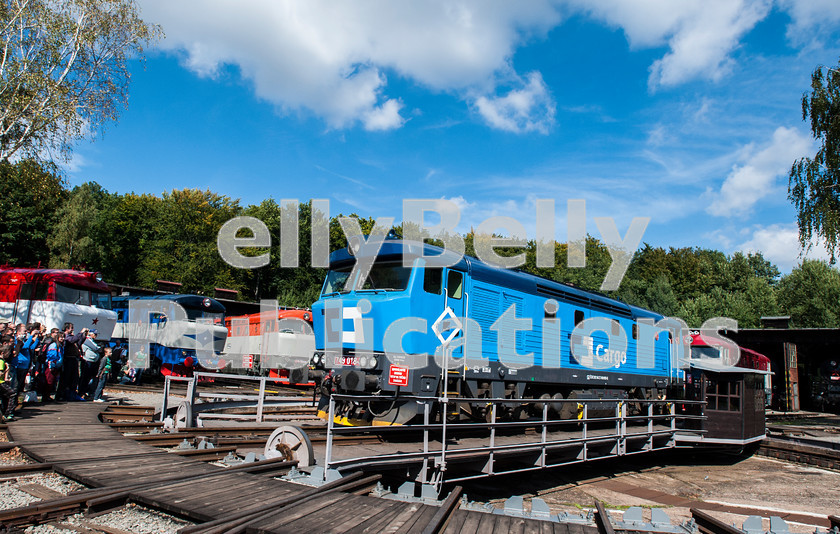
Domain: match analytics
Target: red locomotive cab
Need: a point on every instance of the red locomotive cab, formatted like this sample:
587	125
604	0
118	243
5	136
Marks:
749	359
54	297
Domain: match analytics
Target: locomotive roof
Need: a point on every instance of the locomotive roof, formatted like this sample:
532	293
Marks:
392	249
80	279
187	301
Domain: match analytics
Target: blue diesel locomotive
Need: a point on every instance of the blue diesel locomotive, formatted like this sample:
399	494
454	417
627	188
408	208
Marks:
170	321
510	335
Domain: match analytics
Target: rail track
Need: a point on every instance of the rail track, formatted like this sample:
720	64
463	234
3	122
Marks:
792	450
135	468
71	439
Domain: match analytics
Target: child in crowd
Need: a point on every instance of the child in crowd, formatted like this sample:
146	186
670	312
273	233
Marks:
54	357
102	376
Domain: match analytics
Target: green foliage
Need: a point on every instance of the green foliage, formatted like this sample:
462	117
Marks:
63	71
811	295
183	246
589	277
298	286
126	227
698	284
814	186
72	242
30	196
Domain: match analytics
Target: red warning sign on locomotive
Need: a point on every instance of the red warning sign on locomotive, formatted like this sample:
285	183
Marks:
398	376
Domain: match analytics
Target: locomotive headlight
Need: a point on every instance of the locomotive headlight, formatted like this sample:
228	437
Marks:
354	244
373	362
363	362
316	358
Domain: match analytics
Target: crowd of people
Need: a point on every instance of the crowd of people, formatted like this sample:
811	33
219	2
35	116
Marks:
58	365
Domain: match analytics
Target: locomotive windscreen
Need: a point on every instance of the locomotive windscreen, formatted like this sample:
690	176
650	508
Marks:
193	314
385	275
705	352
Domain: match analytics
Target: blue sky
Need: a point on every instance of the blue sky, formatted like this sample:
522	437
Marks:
686	112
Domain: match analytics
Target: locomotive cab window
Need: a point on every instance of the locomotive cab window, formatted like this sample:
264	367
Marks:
432	280
336	279
578	317
454	284
72	295
388	276
41	291
25	292
101	300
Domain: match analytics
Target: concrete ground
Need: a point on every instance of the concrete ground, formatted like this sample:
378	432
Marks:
679	480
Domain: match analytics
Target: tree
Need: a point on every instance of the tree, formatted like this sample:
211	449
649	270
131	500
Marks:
30	196
814	186
810	294
72	242
126	227
63	72
183	246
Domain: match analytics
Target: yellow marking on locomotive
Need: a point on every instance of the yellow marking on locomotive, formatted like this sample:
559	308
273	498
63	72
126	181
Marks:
345	421
384	423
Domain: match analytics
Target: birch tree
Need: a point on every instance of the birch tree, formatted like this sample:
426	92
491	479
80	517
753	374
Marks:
64	71
814	186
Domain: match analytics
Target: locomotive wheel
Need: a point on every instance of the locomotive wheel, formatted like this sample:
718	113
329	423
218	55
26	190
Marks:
290	443
184	415
537	407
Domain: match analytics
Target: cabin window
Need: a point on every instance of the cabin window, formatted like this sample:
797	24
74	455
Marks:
578	317
616	328
41	290
723	395
72	295
25	292
454	284
388	276
433	280
101	300
635	331
336	279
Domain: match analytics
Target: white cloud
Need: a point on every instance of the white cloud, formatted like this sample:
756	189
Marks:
810	17
383	117
757	177
335	59
701	34
521	110
331	58
474	213
779	244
